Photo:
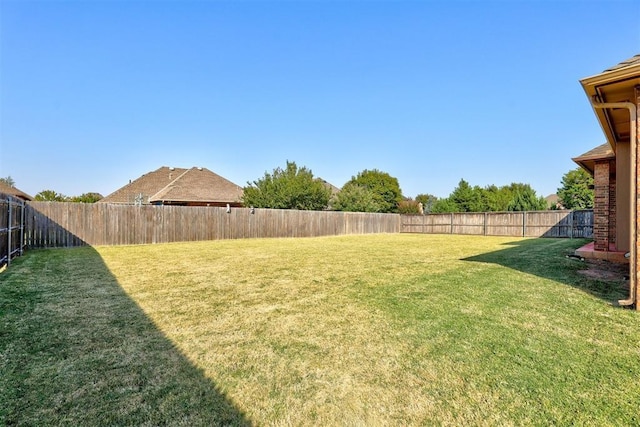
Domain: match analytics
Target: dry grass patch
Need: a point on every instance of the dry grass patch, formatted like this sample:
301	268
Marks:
354	330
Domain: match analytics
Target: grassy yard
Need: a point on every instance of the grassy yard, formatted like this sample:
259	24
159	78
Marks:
355	330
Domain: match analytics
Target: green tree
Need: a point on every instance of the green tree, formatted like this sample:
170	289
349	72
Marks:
427	200
355	198
8	181
444	206
497	199
525	199
288	188
409	206
86	198
576	191
468	198
385	188
50	196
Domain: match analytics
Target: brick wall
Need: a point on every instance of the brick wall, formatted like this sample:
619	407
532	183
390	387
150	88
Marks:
612	202
601	205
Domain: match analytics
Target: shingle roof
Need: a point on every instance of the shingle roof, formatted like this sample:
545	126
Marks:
603	151
169	184
588	159
12	191
147	185
634	60
199	185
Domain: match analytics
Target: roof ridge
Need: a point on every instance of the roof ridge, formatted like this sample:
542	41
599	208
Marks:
153	197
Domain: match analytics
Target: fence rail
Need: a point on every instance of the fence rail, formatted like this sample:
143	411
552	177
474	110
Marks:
515	224
59	224
12	212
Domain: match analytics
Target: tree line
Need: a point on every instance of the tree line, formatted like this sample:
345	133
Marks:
294	187
52	196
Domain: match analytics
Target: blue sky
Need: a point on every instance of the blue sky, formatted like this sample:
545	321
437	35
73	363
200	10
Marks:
94	93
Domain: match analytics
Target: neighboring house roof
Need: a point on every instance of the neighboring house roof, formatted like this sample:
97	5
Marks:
199	185
553	201
334	190
177	185
588	159
12	191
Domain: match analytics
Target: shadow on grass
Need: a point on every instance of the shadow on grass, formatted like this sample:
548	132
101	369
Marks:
547	258
76	350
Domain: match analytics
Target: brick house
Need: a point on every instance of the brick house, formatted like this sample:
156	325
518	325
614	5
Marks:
614	95
178	186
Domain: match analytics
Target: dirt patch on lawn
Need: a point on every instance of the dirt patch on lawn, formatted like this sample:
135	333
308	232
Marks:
605	270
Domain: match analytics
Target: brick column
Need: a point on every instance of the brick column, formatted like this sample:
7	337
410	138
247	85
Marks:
612	203
601	204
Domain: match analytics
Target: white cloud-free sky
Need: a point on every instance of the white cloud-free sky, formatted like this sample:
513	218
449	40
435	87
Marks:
95	93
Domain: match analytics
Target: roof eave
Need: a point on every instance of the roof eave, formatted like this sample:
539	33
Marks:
593	84
611	76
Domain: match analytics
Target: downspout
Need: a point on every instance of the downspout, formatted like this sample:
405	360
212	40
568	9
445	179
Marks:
633	192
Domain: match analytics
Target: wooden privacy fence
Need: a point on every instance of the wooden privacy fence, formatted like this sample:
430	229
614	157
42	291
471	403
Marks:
59	224
12	211
516	224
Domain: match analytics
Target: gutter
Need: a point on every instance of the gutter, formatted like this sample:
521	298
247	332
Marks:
633	206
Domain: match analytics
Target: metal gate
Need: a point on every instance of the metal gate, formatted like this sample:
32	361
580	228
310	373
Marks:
11	228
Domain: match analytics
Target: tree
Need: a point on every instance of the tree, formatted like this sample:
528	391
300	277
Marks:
8	181
512	197
525	199
497	199
427	200
50	196
86	198
355	198
409	206
289	188
576	191
444	206
467	198
385	188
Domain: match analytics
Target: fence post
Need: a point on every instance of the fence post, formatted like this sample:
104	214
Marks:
451	217
9	232
22	207
484	225
524	223
571	225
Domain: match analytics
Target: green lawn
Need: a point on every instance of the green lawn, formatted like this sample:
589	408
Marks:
355	330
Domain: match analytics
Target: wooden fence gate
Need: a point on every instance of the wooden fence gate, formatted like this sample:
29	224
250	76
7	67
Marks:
11	228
